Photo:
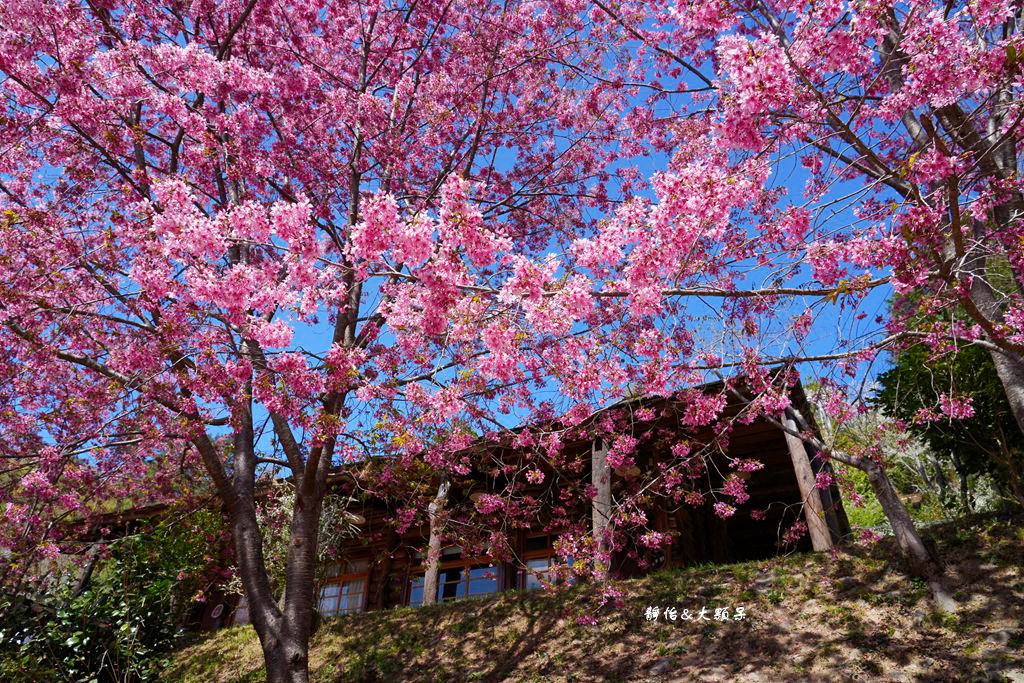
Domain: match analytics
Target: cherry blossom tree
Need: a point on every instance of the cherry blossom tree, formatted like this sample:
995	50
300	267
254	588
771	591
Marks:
258	235
249	232
901	119
906	114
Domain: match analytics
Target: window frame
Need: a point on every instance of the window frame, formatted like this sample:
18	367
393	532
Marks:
341	598
466	565
547	553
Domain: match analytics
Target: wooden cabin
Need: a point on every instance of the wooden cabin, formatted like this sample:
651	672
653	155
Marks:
383	568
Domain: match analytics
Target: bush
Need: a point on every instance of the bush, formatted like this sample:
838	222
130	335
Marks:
122	625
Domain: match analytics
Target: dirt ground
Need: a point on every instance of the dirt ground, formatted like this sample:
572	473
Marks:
848	616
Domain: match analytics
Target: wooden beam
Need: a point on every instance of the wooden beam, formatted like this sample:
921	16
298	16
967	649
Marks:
814	512
601	479
435	512
834	513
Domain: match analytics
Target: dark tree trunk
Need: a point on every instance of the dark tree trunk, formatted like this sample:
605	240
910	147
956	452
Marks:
86	576
286	660
1009	461
284	631
920	559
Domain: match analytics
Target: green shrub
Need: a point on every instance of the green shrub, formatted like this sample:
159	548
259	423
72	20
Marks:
127	619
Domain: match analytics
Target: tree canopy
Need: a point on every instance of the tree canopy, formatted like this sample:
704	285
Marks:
254	235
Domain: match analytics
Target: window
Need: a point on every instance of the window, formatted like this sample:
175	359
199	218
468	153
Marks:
345	591
457	577
539	559
537	569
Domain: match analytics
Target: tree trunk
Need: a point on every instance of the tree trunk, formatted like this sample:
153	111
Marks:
601	479
1010	369
286	660
1008	461
283	631
962	477
435	514
940	479
85	577
921	561
1009	365
1016	484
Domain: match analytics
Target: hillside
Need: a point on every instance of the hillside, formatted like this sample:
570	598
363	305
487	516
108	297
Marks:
851	616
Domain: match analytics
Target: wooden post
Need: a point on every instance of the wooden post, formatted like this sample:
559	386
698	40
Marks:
686	547
435	514
601	479
832	507
381	576
814	512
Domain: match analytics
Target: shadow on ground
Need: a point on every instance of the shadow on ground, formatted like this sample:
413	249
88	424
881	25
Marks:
853	615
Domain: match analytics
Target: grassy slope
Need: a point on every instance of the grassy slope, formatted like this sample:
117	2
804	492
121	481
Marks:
851	616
